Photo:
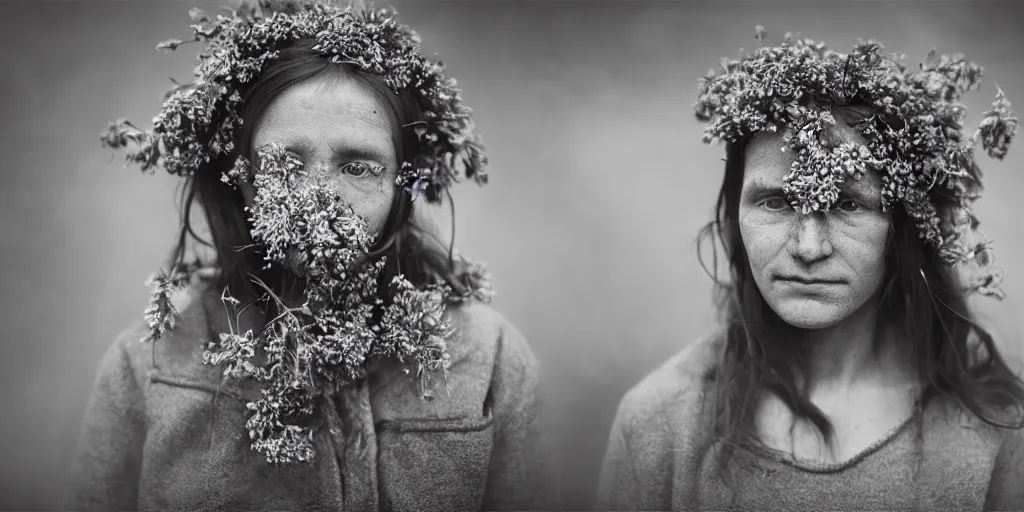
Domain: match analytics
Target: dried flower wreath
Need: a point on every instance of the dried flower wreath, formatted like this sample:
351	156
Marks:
913	127
328	341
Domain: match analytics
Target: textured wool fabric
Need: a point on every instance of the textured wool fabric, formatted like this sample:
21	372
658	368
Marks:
164	431
660	457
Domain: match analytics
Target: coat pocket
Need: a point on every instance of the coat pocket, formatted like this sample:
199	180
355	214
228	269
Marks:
425	465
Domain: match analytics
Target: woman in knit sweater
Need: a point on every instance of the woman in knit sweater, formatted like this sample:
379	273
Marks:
849	373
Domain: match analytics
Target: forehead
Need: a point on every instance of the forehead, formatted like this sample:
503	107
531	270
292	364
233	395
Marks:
766	163
339	113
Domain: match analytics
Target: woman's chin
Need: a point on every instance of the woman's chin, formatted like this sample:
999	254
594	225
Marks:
809	314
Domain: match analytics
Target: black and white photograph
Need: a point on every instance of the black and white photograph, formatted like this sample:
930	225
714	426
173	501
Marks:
512	255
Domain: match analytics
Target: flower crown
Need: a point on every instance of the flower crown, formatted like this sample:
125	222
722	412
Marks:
200	120
913	130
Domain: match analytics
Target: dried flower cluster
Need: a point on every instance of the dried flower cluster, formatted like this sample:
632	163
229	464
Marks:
200	120
325	343
913	126
161	315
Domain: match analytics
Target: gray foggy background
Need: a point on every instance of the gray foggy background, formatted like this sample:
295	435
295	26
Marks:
599	185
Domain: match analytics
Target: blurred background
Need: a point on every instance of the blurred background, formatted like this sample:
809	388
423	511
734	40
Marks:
599	185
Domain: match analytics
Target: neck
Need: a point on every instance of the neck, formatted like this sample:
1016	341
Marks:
851	352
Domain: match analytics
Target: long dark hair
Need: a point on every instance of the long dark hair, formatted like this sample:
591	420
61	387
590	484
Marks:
942	344
410	250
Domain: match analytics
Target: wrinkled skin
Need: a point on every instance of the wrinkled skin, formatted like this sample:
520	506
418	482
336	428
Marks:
843	249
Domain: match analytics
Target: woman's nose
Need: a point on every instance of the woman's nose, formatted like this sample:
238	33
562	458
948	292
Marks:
810	239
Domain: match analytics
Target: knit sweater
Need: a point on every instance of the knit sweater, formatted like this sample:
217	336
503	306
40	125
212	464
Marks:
661	456
163	431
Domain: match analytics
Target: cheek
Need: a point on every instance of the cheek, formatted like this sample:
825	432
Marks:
862	243
371	202
863	247
763	237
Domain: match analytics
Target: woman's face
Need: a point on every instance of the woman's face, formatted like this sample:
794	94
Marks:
338	127
818	269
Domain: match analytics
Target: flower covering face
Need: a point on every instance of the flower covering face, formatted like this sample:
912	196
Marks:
814	269
318	194
341	134
298	218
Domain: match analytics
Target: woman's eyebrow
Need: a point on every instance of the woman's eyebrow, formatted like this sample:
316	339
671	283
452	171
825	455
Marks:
760	187
345	150
340	150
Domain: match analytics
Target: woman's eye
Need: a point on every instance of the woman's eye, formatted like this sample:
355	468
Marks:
774	204
849	205
358	169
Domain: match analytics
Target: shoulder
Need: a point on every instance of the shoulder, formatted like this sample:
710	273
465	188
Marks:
475	319
674	393
491	358
486	336
490	362
1005	491
952	435
176	355
659	429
